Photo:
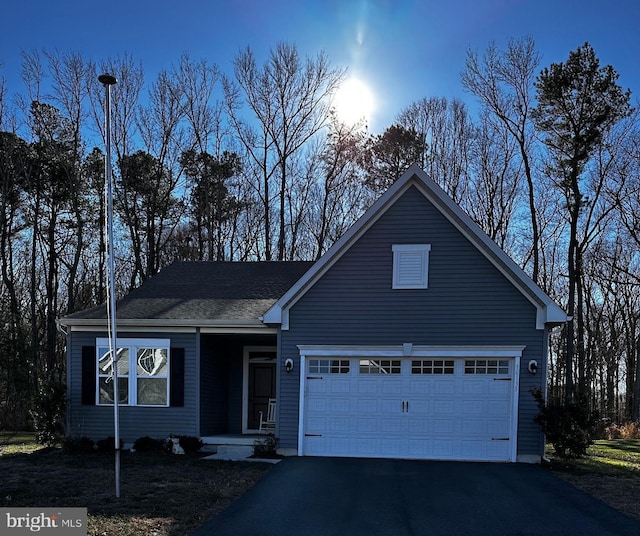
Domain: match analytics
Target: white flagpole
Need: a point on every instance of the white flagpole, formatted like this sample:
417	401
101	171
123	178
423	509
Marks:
108	80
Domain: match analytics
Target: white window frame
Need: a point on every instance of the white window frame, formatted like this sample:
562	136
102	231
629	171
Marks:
133	345
410	253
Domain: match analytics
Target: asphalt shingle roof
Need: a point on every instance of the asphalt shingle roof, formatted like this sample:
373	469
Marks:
211	291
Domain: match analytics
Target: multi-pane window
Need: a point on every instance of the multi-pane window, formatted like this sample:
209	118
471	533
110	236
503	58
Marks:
143	372
329	366
486	366
380	366
432	366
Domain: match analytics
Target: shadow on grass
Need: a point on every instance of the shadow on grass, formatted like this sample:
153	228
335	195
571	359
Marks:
625	445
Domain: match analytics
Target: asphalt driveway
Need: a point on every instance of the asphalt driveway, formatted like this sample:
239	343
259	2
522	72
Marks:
345	497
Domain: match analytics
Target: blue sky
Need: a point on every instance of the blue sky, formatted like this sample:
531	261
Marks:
404	50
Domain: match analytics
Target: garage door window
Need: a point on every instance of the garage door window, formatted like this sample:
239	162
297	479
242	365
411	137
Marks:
380	366
329	366
486	366
431	366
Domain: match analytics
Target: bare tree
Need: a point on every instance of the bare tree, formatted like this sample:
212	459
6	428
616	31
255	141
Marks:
443	135
503	81
495	175
290	100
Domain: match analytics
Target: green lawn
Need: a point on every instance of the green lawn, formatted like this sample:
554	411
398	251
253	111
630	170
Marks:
609	472
614	457
18	442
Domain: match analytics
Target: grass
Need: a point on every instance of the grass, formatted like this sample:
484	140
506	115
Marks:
165	495
161	495
610	472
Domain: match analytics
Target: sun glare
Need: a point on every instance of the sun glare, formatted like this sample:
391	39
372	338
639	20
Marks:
353	101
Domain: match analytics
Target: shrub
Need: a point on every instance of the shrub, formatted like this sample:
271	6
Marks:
569	426
190	444
78	445
108	444
47	412
149	444
612	432
265	448
630	430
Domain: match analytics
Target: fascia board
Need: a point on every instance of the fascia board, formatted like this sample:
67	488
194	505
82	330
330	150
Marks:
162	323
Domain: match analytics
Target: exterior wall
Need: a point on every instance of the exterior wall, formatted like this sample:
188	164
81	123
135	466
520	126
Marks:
214	387
97	422
468	303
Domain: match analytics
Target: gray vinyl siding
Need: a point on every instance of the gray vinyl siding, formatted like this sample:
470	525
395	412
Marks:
97	422
468	302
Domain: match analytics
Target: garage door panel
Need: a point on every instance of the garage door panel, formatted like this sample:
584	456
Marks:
340	386
421	406
340	405
497	428
420	448
367	405
498	407
368	386
474	387
390	447
445	427
414	412
499	388
474	406
444	407
391	425
317	386
420	428
420	387
444	387
389	386
368	425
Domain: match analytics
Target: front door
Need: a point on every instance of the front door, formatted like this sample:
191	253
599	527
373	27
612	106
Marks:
261	385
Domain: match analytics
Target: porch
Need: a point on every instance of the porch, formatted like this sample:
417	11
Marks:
237	379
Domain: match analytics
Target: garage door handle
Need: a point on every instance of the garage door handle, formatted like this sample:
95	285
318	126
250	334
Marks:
499	439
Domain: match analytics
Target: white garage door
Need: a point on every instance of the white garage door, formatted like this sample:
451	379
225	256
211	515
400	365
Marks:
431	408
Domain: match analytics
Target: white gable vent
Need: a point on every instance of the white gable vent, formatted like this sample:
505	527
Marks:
411	265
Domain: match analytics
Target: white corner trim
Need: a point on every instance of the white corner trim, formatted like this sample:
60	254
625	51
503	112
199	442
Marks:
301	398
515	393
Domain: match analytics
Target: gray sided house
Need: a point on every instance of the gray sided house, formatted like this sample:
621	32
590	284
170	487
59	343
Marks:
414	336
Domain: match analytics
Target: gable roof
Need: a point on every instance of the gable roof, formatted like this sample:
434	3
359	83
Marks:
201	293
548	312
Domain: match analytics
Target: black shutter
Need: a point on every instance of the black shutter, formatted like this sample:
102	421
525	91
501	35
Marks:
89	375
176	380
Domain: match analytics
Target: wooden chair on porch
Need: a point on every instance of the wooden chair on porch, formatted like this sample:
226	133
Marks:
268	421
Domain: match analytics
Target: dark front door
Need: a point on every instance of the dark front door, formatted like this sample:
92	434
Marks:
262	387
